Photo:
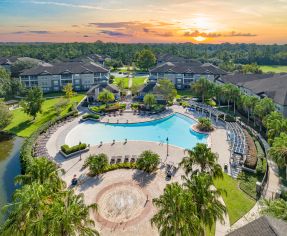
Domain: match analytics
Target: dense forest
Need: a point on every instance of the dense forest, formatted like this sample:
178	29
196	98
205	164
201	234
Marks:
214	53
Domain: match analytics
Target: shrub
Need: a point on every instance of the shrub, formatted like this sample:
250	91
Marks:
261	166
98	109
148	161
93	116
97	164
204	124
68	150
228	118
135	106
26	152
123	106
251	158
124	165
113	107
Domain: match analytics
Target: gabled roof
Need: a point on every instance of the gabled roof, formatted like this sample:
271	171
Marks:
263	226
66	68
110	87
187	67
147	88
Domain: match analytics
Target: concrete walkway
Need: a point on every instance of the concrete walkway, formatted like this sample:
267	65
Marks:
273	184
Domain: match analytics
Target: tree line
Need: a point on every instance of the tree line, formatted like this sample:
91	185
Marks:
127	53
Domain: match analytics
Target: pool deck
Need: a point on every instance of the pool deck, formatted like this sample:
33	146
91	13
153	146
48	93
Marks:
152	184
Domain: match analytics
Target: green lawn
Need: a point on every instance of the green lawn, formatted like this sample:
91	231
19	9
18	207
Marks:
138	81
276	69
23	125
126	81
237	202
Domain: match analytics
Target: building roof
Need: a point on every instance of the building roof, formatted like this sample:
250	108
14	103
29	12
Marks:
237	78
187	67
263	226
13	59
273	86
147	88
110	87
66	68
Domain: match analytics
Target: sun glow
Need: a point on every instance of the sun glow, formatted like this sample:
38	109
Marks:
199	38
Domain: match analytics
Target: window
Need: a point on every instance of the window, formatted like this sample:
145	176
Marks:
76	81
56	88
46	89
56	82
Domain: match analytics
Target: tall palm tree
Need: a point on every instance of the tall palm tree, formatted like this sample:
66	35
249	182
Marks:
217	90
275	124
26	212
42	170
278	151
149	100
235	95
247	104
202	156
68	215
264	107
202	87
206	198
226	92
176	213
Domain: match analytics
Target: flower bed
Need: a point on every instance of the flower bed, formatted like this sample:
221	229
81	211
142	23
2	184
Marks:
66	149
251	159
108	108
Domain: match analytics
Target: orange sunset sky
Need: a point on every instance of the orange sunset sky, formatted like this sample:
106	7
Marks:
130	21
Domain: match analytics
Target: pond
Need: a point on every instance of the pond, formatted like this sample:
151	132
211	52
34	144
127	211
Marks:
9	167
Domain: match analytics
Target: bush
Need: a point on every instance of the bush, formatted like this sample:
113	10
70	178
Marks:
228	118
135	106
148	161
261	167
93	116
124	165
98	109
26	152
68	150
204	124
97	164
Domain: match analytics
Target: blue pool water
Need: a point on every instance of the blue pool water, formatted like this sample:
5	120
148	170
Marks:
175	127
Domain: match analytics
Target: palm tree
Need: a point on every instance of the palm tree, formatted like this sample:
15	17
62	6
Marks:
235	95
264	107
206	198
68	215
204	124
278	151
202	87
97	163
26	212
148	161
203	156
42	171
276	208
176	213
217	90
149	100
226	92
106	96
275	124
247	104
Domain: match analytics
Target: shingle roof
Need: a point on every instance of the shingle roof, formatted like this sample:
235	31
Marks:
240	77
110	87
147	88
187	67
263	226
66	67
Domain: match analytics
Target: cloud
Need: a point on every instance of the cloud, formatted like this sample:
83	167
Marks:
197	33
158	33
32	32
63	4
114	33
115	25
86	36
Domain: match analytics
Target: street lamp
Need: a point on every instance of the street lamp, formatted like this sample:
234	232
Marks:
167	146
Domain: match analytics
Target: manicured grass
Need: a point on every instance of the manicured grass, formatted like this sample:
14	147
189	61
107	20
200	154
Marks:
138	81
237	202
186	92
126	82
275	69
23	125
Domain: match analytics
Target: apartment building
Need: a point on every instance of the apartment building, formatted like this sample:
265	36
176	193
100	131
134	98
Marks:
54	77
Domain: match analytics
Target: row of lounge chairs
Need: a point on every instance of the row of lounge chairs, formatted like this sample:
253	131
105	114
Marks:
237	138
125	159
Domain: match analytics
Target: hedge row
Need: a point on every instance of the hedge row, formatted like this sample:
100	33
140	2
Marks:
27	147
123	165
69	150
93	116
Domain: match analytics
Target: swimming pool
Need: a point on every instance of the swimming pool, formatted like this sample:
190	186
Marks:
176	127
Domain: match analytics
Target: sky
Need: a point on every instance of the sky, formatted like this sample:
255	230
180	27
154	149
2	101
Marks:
146	21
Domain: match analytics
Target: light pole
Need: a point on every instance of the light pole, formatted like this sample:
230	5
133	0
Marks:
167	146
